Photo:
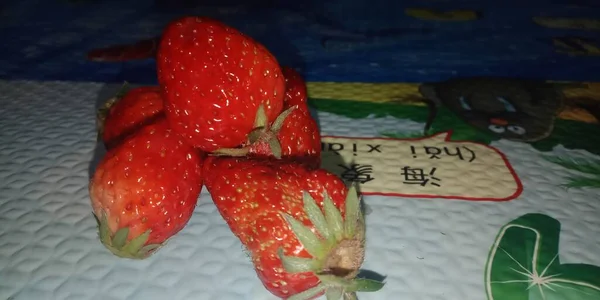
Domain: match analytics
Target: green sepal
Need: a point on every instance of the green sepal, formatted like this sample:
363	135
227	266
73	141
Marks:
117	243
102	112
261	119
120	238
255	134
262	132
334	293
350	296
104	230
327	222
308	294
307	238
275	147
136	244
316	217
278	123
333	217
364	285
236	152
293	264
353	213
352	285
123	90
149	248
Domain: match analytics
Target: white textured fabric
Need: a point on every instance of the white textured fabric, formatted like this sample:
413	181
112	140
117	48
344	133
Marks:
429	249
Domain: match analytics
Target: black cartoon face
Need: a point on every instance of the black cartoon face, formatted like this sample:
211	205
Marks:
498	115
510	108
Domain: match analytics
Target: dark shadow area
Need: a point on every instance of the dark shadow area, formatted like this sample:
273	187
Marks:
371	275
337	164
590	105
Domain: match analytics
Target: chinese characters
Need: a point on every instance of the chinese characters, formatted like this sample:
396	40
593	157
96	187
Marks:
419	176
434	152
433	166
357	173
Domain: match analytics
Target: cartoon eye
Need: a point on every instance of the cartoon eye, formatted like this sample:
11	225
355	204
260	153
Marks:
496	128
463	103
507	105
516	129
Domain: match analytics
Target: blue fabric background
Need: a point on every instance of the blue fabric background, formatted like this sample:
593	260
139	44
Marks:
48	40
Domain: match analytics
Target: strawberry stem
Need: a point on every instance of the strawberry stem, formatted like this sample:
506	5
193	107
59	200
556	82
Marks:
337	248
255	134
231	152
262	133
278	123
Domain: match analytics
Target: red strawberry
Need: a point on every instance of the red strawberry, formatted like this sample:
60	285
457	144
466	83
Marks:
127	112
300	248
293	135
142	49
297	138
145	189
214	79
295	93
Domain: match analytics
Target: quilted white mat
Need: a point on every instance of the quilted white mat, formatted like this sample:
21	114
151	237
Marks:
428	249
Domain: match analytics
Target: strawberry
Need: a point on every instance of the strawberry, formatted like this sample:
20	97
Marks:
293	135
214	79
303	230
127	112
295	93
297	138
142	49
144	190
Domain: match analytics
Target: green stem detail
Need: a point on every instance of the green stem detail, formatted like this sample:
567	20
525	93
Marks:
262	133
117	243
337	249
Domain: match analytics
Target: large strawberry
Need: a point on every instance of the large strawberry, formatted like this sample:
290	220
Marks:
303	230
293	135
144	190
214	79
127	112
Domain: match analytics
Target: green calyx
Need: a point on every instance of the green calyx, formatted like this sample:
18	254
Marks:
117	243
336	288
337	249
262	133
102	112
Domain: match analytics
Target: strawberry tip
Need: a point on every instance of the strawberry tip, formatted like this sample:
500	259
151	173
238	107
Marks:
117	243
